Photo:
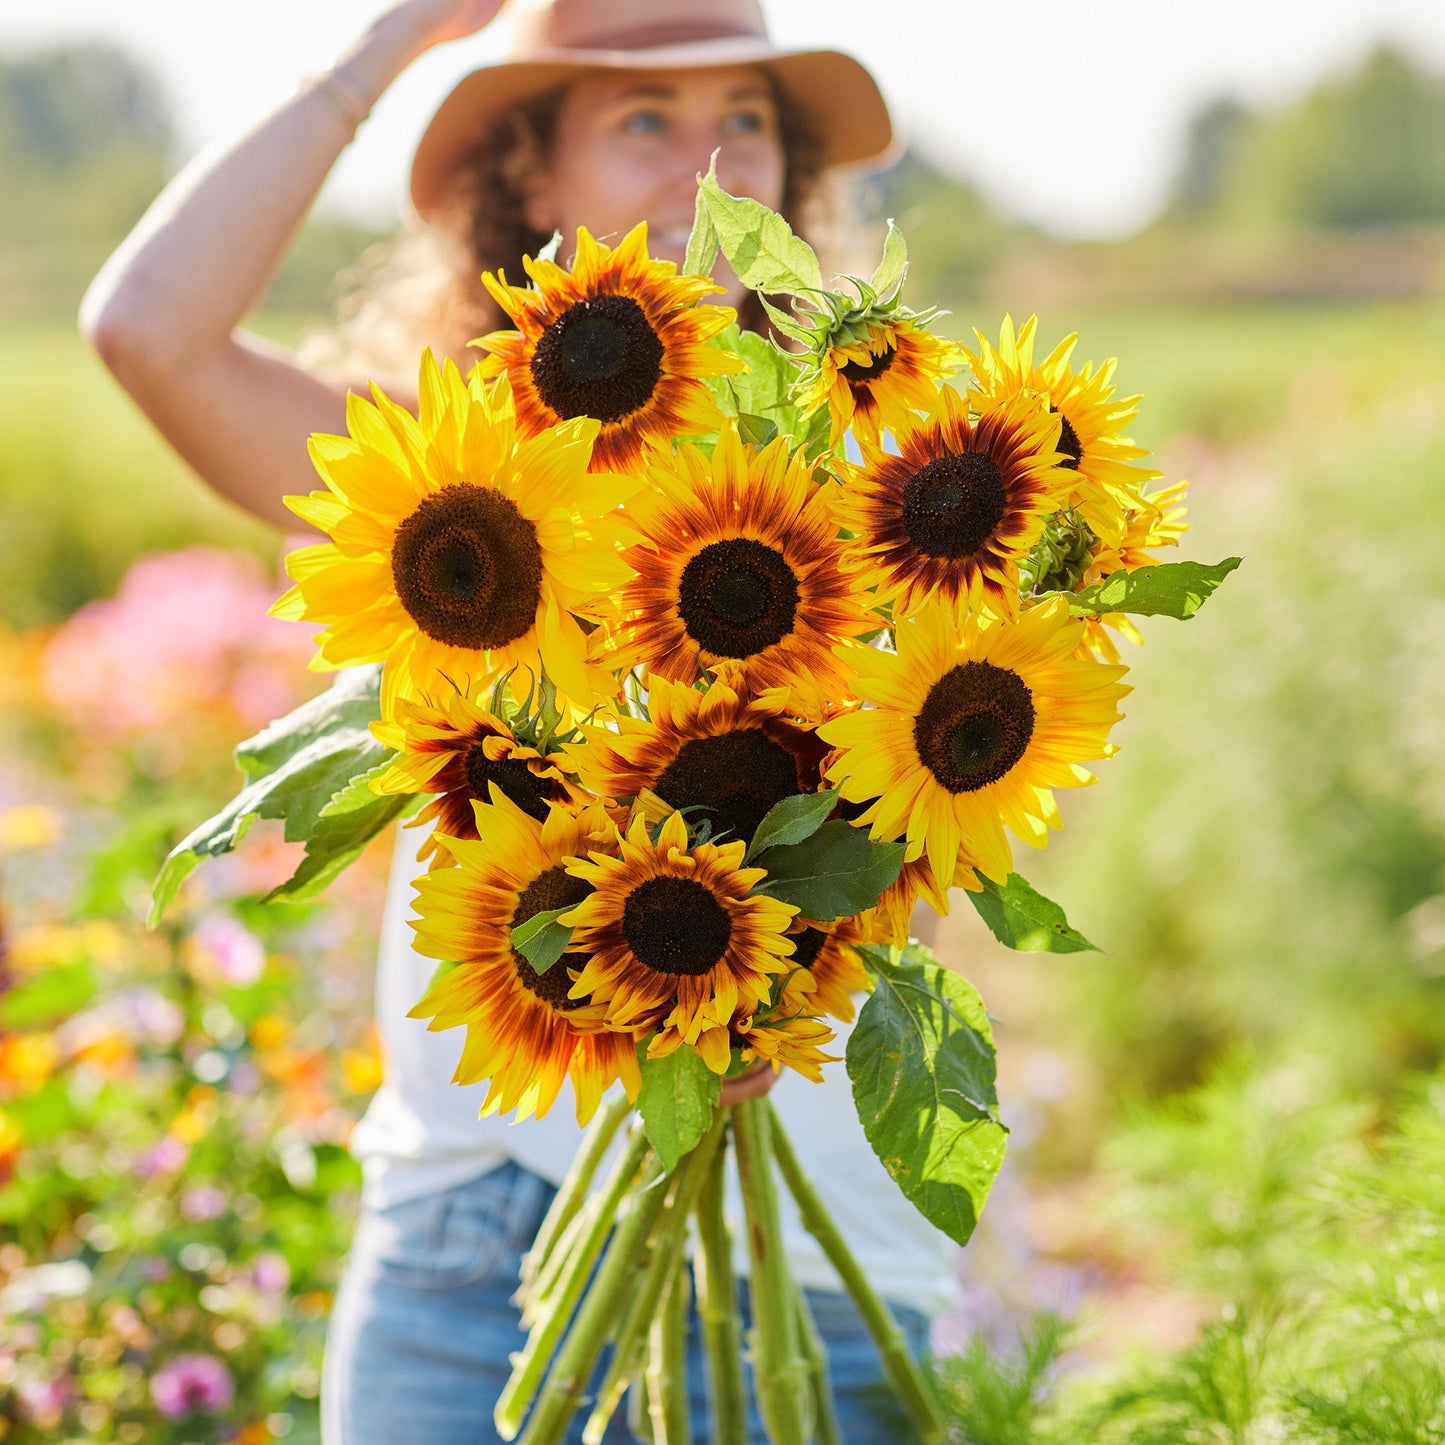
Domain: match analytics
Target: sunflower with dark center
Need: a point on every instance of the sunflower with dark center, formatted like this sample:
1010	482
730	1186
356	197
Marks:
975	720
875	384
456	748
824	953
458	550
783	1039
719	753
527	1032
1092	421
619	338
739	572
676	936
956	509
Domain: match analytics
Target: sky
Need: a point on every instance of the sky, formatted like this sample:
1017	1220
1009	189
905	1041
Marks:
1068	113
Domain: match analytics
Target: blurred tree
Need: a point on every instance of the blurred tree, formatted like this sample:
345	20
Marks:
1366	150
955	238
85	142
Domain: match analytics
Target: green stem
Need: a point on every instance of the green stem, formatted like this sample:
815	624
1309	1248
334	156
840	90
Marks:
573	1189
902	1370
825	1411
529	1365
666	1254
601	1312
667	1365
779	1369
535	1298
717	1311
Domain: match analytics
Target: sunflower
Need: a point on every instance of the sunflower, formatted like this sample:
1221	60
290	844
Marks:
782	1039
823	952
619	338
975	720
1091	419
454	747
739	572
1155	519
877	380
956	509
524	1030
676	935
722	750
457	548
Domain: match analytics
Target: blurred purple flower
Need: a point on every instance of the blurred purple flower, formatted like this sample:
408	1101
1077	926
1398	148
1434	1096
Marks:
163	1158
271	1272
205	1201
192	1384
155	1268
236	952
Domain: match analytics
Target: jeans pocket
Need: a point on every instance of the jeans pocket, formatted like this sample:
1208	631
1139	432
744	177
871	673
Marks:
449	1240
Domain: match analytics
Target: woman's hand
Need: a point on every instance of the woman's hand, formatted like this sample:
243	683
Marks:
753	1083
434	22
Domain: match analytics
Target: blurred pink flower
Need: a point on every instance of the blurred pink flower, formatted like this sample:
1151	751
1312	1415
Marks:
192	1384
271	1273
205	1201
163	1158
185	630
44	1401
141	1015
236	952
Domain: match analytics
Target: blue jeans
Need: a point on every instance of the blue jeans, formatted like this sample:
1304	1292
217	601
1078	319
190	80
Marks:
423	1327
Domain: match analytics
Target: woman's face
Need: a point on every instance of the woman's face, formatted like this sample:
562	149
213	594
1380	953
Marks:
629	146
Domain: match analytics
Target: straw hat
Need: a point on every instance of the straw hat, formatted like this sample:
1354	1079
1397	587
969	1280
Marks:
556	39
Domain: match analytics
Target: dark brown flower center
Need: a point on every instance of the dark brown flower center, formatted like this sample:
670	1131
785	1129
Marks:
1069	444
467	568
676	926
737	775
974	725
529	792
953	506
556	888
599	358
807	945
738	597
861	371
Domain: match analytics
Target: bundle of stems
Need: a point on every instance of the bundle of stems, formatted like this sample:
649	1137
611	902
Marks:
608	1284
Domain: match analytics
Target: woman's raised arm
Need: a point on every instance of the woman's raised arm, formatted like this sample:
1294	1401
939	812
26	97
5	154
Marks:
164	311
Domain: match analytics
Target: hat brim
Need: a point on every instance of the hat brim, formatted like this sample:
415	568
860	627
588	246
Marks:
838	98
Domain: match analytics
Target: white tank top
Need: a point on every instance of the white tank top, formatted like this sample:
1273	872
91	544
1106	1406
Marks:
422	1133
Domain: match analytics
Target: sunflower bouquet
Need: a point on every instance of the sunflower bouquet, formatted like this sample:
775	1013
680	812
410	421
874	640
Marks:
695	700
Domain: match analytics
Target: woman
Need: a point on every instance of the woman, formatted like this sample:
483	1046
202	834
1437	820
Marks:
602	117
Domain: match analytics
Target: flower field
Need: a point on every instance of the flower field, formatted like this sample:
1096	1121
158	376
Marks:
1266	872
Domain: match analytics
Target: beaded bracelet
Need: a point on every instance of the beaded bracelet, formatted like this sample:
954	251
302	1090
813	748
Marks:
343	93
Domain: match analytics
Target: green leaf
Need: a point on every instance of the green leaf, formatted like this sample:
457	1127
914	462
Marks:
921	1059
759	244
838	870
541	940
677	1101
763	387
894	265
1171	589
1025	920
701	254
358	793
756	431
301	769
791	821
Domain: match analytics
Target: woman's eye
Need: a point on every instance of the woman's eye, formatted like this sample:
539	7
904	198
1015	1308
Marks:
745	122
644	122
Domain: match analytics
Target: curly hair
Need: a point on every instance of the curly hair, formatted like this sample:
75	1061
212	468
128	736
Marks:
424	286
